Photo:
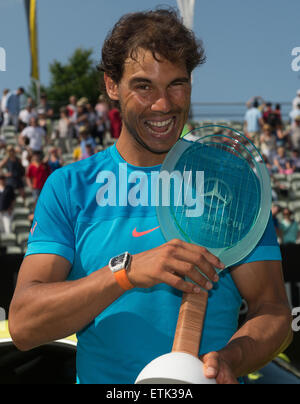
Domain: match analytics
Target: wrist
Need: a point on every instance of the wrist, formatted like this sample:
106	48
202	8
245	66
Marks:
119	266
233	356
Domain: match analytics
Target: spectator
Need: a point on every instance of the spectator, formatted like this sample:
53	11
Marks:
115	122
92	119
294	114
295	160
54	159
89	151
26	114
3	110
102	110
7	198
282	137
296	100
43	108
35	134
81	116
277	112
86	139
281	162
77	152
37	174
295	134
275	212
65	132
13	106
268	143
72	108
253	123
288	228
26	153
271	117
15	171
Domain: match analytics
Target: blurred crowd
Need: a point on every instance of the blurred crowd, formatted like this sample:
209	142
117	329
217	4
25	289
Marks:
34	141
279	144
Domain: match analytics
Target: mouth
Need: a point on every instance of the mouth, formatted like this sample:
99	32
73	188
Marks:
160	128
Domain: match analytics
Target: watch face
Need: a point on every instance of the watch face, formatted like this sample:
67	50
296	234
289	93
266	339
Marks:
116	261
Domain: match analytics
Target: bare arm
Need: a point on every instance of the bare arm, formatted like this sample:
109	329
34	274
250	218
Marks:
46	307
267	329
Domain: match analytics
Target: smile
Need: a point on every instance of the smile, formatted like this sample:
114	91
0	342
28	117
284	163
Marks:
160	127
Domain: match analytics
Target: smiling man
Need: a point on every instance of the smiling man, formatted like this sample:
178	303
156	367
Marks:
124	306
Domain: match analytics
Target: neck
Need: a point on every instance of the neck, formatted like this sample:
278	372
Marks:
137	155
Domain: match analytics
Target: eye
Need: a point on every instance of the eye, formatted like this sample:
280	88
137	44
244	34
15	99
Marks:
143	87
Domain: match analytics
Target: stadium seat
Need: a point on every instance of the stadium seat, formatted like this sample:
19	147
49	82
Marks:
29	202
294	205
7	240
19	202
21	226
21	213
14	250
294	195
8	129
22	239
294	177
281	204
279	177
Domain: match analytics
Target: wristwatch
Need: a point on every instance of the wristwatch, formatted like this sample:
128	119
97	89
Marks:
119	266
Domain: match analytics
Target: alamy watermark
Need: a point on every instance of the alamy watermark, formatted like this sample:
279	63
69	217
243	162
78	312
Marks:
296	320
138	188
2	60
296	60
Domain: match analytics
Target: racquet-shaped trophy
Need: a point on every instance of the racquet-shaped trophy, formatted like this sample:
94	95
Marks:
231	202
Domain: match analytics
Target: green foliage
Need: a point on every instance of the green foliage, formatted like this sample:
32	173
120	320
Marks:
79	77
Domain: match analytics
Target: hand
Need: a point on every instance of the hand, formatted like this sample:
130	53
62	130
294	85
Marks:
216	367
173	261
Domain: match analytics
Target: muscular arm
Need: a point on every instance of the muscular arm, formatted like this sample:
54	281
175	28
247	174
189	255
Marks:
267	329
46	307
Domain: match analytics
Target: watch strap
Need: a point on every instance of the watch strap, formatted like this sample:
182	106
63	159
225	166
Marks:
122	279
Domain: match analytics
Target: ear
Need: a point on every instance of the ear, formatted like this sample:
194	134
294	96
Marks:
111	88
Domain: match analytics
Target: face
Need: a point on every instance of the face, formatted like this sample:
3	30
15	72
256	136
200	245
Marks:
155	102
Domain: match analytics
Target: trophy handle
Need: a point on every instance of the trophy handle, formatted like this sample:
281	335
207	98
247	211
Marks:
190	323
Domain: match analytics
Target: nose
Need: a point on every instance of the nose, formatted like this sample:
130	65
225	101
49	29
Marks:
162	103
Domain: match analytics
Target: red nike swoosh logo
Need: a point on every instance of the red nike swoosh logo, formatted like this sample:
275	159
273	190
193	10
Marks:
136	233
33	229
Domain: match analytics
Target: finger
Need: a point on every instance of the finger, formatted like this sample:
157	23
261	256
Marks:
199	250
186	269
211	365
178	283
197	261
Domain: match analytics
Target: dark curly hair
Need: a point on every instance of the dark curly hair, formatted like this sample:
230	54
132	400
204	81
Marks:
160	31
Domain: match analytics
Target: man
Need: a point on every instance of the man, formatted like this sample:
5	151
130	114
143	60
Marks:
125	315
13	105
87	142
294	134
294	114
296	100
253	123
37	174
3	110
26	114
35	134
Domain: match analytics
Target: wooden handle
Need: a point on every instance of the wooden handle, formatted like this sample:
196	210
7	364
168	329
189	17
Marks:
190	323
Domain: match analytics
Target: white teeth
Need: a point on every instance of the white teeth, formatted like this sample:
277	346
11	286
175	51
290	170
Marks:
160	124
166	132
